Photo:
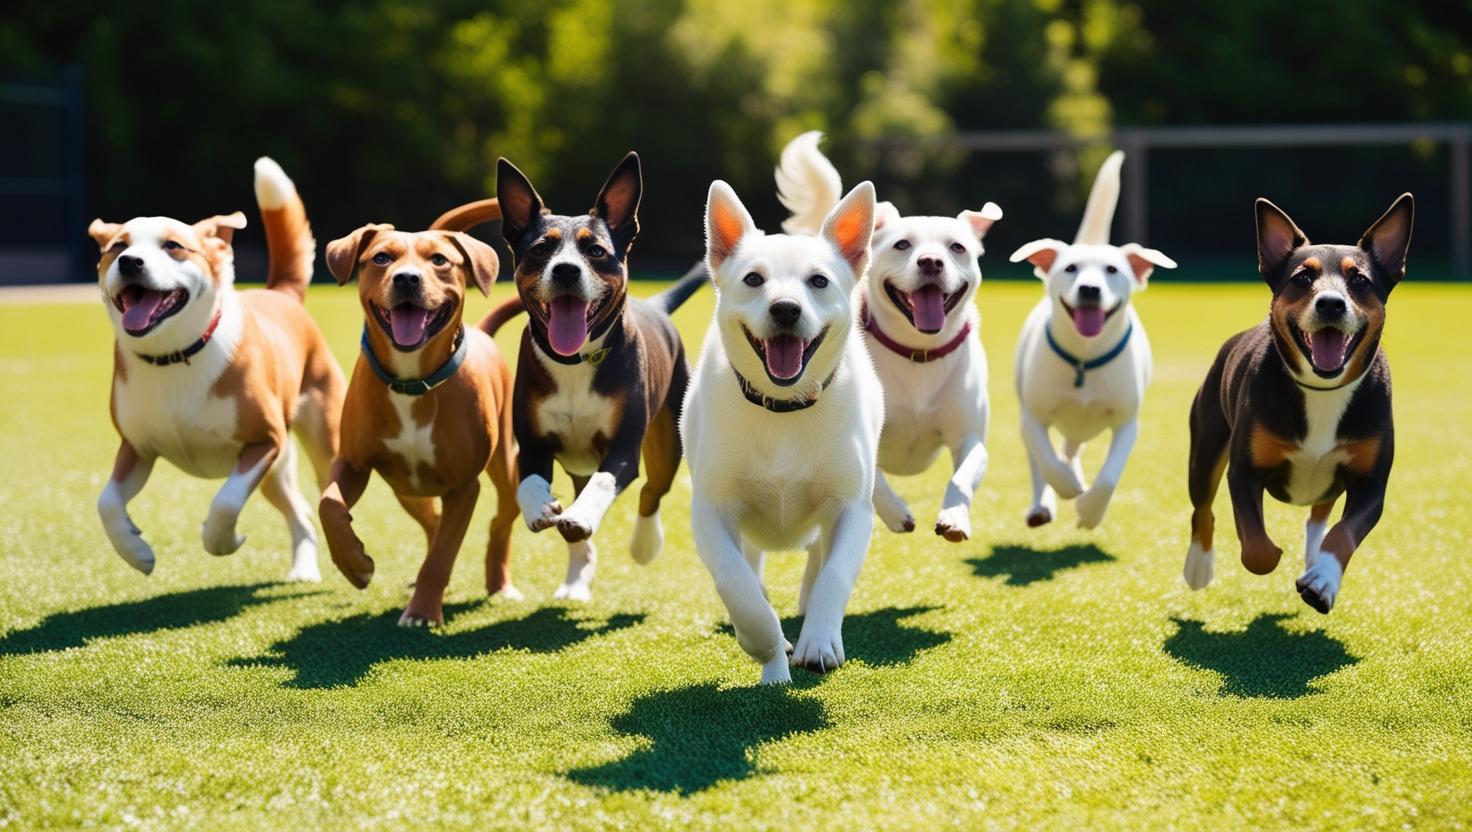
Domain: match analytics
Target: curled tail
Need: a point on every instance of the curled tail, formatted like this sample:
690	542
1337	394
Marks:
672	298
1103	197
498	317
807	183
288	234
468	216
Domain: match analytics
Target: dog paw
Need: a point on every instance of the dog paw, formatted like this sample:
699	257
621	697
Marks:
574	591
1319	584
412	618
648	538
1039	516
305	571
1067	484
895	515
776	671
1261	557
818	650
219	535
133	549
509	592
1200	566
1092	504
574	529
954	524
546	517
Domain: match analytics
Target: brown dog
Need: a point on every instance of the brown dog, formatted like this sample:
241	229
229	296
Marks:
428	407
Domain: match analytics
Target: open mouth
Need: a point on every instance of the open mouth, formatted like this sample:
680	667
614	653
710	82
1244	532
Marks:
409	326
1089	319
927	307
567	319
784	356
143	309
1328	348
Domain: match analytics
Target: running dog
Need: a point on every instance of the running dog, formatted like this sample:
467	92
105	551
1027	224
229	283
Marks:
1083	361
1299	405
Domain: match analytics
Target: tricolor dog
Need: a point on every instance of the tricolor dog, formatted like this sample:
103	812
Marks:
601	376
1299	405
428	409
921	328
212	379
1083	361
782	424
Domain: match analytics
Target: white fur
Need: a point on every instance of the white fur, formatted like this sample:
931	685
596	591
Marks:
770	481
220	537
415	442
1322	578
1200	566
582	561
1317	458
1313	540
648	538
273	187
534	496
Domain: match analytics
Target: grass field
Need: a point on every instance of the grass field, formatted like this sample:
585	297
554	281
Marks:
1025	678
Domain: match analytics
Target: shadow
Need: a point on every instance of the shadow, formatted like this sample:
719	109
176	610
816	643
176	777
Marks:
875	638
1263	660
341	652
1024	565
701	735
176	611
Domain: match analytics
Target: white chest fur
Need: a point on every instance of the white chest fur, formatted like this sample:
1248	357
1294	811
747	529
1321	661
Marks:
575	414
1318	457
415	442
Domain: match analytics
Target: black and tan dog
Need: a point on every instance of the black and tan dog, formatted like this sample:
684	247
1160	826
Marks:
1299	406
601	376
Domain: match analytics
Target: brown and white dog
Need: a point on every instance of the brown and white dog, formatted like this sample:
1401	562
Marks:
428	409
212	379
1299	405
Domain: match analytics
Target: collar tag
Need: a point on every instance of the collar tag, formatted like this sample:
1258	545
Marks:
596	357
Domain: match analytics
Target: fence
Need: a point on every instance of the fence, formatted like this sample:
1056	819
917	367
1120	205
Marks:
42	196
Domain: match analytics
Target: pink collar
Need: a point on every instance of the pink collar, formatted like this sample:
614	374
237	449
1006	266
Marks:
919	356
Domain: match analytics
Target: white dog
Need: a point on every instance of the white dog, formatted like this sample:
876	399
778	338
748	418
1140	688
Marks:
921	327
1083	361
781	424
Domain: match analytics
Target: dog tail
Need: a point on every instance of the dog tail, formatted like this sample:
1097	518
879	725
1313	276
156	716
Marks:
468	216
498	317
807	183
288	234
690	282
1103	197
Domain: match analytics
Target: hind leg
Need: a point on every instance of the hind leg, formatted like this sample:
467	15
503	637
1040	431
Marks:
661	454
1314	531
281	490
582	562
1210	435
316	426
1044	502
424	512
502	471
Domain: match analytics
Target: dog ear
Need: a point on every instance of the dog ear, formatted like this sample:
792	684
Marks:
221	227
1040	253
343	253
1388	240
1277	238
480	259
726	223
1144	260
981	221
884	214
618	202
520	203
103	232
850	226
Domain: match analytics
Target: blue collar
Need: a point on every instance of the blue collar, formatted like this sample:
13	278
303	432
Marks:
1081	367
418	386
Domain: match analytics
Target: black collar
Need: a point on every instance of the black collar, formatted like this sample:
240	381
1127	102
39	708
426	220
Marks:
183	356
777	405
418	386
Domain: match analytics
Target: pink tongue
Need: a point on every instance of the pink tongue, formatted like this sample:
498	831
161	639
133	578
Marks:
139	306
568	328
929	307
1327	346
1089	320
784	356
408	323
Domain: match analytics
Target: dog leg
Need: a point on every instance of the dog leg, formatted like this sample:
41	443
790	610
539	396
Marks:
129	474
1055	472
502	471
582	562
344	487
757	629
538	507
661	461
426	605
1314	531
220	537
1364	501
1259	553
970	458
810	576
1210	436
1093	503
820	645
280	490
424	512
1044	503
891	507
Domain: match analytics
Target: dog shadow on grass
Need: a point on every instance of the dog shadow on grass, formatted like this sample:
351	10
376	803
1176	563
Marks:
875	638
175	611
1024	565
1262	661
341	652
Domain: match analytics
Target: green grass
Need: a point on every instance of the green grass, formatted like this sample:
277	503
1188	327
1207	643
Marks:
1026	678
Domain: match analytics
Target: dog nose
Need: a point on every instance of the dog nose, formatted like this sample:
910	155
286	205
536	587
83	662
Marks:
130	266
1089	293
1330	305
785	312
930	264
406	280
567	273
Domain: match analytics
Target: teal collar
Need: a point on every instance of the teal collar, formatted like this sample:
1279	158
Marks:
418	386
1081	367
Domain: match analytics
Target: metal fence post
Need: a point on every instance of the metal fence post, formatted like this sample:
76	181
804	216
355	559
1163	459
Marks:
1136	163
1461	191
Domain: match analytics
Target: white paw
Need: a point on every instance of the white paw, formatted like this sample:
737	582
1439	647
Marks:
131	546
305	571
510	593
1200	566
219	533
818	648
648	538
538	509
895	515
414	621
954	523
544	517
1092	504
1319	584
574	591
1066	482
776	671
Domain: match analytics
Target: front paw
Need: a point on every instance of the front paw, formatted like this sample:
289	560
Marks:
546	517
954	524
133	549
1200	566
776	671
219	534
305	572
1092	504
574	590
1319	584
895	515
818	649
573	528
1261	557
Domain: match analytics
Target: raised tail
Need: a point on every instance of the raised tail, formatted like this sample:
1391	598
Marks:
288	234
807	183
498	317
468	216
1103	198
672	298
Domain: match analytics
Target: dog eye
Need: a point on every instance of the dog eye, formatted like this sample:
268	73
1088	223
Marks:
901	245
118	246
171	245
439	259
596	250
541	249
1357	279
958	248
1111	269
1071	268
382	259
818	281
1304	278
753	279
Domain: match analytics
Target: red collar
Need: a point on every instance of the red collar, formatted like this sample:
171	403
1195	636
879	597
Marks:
190	351
919	356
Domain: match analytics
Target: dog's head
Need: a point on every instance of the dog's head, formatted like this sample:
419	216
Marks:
783	301
161	278
926	268
571	271
1091	283
1329	300
412	285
